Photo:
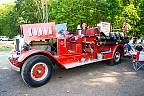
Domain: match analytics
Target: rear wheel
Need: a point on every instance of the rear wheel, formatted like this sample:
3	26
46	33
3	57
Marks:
116	58
37	71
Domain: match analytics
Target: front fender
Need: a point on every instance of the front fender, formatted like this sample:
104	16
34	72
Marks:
114	48
29	53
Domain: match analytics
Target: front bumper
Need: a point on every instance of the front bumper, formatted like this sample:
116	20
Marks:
13	60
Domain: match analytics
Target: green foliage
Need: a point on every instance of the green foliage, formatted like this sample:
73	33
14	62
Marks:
73	12
7	20
132	18
29	11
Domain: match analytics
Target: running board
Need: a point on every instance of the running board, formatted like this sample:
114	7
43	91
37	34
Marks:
72	65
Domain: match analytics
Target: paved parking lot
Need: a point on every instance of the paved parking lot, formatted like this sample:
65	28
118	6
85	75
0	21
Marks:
97	79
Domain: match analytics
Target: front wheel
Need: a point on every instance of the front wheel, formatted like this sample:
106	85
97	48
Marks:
37	71
116	57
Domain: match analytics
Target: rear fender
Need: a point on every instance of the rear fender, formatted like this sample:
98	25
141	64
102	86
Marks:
24	56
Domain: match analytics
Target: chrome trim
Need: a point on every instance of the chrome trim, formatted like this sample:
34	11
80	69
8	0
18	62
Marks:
72	65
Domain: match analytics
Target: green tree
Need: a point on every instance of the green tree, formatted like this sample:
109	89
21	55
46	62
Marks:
73	12
141	12
7	20
132	18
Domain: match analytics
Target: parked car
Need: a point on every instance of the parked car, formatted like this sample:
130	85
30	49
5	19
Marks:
4	38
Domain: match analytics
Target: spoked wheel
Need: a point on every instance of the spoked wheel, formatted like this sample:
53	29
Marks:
37	71
116	58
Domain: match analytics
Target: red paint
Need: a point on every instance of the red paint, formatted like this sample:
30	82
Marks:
26	54
137	55
15	62
105	56
92	32
36	69
84	48
40	31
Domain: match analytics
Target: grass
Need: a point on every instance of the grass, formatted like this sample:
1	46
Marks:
6	49
6	45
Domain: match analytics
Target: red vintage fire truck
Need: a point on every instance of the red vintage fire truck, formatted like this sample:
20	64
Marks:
45	49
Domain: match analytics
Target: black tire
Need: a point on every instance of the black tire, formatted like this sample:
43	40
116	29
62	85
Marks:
116	58
37	71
